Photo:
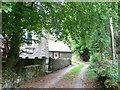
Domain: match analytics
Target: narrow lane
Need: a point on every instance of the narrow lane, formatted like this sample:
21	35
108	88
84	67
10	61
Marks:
56	80
78	82
48	81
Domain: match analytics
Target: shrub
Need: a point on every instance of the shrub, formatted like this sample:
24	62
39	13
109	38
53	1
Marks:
107	73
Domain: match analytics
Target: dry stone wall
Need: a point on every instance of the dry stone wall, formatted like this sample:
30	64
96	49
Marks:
25	70
57	64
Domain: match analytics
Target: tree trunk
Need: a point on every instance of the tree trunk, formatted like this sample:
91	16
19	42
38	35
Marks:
119	40
15	46
16	35
112	40
118	52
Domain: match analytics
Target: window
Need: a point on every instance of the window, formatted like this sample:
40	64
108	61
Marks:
29	37
56	55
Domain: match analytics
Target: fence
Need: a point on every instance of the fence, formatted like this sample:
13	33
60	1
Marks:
25	70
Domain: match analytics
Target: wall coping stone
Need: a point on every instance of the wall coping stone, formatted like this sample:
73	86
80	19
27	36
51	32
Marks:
31	66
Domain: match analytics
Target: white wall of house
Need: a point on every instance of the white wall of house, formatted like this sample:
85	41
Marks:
33	43
36	49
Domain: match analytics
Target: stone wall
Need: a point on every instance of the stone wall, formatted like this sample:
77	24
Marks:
25	70
57	64
63	55
66	55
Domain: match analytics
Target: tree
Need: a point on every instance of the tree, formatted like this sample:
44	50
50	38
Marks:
18	16
69	21
82	22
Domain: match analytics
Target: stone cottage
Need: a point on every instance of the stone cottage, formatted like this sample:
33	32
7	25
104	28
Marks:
47	48
29	68
59	50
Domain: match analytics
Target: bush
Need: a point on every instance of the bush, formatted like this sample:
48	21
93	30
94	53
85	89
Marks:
107	73
95	57
110	84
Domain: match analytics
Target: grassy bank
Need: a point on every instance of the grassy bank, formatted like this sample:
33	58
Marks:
105	73
73	72
90	73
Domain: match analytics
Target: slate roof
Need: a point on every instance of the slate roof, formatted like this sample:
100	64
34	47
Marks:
58	46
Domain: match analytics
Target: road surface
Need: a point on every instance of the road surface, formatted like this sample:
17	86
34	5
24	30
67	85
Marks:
54	80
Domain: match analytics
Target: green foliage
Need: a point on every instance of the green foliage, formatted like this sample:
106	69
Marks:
76	62
18	17
82	25
70	66
9	73
90	24
77	23
6	7
90	73
106	72
110	76
110	84
88	63
95	57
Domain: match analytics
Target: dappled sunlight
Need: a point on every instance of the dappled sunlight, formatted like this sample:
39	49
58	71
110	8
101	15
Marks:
60	44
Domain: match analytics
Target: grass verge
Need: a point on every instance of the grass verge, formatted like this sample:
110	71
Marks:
88	63
90	73
73	72
70	65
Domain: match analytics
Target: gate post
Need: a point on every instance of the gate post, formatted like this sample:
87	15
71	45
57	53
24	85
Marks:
50	64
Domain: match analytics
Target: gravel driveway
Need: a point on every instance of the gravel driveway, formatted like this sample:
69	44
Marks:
54	80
